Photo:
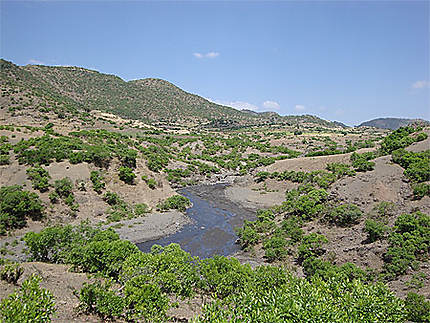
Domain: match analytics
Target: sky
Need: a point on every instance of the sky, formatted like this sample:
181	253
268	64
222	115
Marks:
349	61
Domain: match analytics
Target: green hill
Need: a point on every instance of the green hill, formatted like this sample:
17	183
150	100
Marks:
151	100
392	123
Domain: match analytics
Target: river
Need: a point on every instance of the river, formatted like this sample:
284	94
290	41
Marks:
214	219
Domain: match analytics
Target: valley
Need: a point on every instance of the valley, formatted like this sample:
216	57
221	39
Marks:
262	209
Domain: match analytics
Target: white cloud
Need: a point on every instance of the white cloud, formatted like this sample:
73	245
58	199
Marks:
421	84
207	55
212	54
299	107
33	61
271	105
239	105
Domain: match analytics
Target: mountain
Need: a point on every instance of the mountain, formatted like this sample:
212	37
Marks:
150	100
392	123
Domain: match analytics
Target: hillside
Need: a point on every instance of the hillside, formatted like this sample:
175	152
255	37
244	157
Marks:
392	123
150	100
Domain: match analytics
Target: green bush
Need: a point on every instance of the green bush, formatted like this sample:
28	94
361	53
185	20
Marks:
313	300
311	246
39	178
87	249
421	190
398	139
248	237
141	208
223	277
63	187
275	248
345	215
361	162
29	304
97	298
170	268
97	180
375	230
16	206
409	243
305	202
11	272
177	202
417	307
126	174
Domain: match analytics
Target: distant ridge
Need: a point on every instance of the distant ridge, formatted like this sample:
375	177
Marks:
151	100
392	123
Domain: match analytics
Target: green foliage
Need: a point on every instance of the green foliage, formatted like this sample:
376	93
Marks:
90	250
97	298
305	202
311	246
126	174
417	307
151	182
177	202
421	190
223	277
275	248
340	169
170	268
345	215
409	243
361	162
375	230
416	165
399	138
11	272
248	237
30	303
97	180
141	208
63	187
16	206
315	300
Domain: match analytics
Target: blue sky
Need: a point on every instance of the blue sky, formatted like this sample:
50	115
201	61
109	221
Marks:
342	60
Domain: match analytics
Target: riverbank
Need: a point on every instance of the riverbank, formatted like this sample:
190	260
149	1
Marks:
151	226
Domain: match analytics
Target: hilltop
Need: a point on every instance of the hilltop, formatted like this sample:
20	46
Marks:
155	101
393	123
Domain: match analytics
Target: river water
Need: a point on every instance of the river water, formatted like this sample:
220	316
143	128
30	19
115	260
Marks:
214	219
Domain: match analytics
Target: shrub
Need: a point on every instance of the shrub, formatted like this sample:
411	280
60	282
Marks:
421	190
408	243
112	198
345	215
275	248
145	301
16	205
97	180
63	187
305	202
223	277
140	209
313	300
39	178
248	237
375	230
311	246
126	174
417	307
177	202
361	162
29	304
97	298
11	272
